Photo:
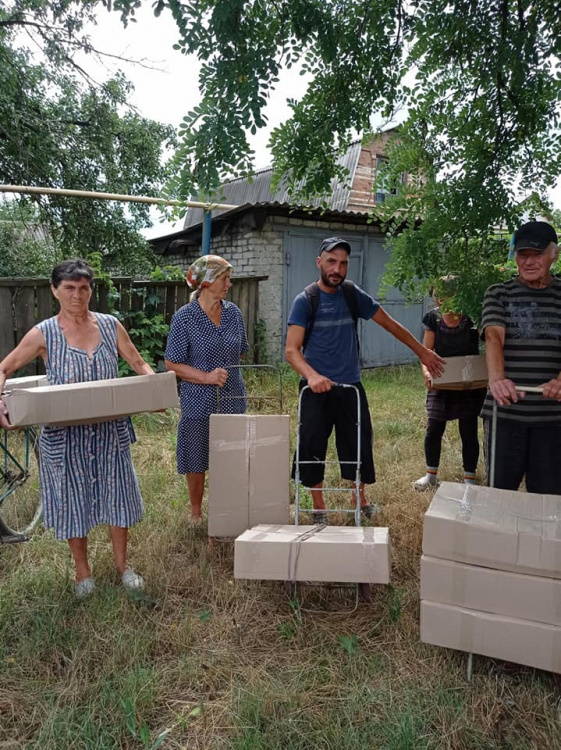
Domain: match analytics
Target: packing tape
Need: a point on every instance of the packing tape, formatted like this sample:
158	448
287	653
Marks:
468	624
463	516
468	371
219	444
250	447
469	502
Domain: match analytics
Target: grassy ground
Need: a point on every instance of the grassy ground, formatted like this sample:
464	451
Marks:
231	664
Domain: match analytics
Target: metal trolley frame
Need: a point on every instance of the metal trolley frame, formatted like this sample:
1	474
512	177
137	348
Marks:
362	590
492	456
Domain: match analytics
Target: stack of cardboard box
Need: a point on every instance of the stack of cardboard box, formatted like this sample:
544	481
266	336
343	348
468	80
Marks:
491	574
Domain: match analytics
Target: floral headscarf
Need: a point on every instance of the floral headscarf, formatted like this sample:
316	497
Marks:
205	270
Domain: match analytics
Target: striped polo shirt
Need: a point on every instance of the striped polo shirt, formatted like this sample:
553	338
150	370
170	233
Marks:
532	351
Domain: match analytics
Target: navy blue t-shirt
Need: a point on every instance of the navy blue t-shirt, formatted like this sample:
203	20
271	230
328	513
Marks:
331	349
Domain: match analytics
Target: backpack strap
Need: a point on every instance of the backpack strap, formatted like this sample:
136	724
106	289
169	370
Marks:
312	295
351	298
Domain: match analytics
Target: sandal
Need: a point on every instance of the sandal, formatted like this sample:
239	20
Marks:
84	588
132	581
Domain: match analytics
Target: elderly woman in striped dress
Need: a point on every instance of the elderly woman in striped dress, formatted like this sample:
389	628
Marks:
86	471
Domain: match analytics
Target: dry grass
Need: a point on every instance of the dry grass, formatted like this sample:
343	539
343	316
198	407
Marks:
230	664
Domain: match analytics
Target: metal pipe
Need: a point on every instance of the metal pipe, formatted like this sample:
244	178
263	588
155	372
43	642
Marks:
207	232
30	190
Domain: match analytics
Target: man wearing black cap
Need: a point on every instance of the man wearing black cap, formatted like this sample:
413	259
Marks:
322	322
522	325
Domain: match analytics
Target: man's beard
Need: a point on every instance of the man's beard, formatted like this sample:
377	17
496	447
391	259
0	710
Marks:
333	283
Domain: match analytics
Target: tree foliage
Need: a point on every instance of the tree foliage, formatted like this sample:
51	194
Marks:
26	248
477	82
59	128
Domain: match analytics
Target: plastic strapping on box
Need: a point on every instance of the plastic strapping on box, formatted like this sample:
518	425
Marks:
295	545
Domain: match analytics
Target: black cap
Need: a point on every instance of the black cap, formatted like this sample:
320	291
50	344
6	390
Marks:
332	242
534	235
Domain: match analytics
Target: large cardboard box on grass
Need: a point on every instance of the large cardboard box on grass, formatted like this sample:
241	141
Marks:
494	591
462	373
28	381
520	641
95	401
501	529
249	471
331	554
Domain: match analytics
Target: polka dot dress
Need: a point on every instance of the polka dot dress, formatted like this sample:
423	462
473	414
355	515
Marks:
196	341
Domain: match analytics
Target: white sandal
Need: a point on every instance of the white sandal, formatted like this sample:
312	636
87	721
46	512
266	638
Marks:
132	581
84	588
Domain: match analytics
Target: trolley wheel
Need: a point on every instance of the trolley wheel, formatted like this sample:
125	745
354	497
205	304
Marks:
20	499
365	592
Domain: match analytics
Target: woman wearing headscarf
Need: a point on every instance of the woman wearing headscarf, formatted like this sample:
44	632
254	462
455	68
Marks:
206	340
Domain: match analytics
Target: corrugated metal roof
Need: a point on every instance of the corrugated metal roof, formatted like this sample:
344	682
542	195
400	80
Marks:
242	192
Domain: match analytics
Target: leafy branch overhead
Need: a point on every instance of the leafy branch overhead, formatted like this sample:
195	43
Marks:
475	83
61	128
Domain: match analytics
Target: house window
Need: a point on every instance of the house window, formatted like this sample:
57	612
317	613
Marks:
383	186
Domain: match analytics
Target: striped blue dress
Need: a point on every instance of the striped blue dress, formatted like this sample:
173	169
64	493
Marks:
87	475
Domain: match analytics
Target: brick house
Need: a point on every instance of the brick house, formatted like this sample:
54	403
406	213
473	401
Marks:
267	236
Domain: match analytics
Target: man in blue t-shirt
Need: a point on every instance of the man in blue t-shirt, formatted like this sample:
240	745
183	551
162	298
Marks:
331	356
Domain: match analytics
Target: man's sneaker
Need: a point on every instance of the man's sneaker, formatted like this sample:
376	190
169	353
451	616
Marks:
424	483
319	517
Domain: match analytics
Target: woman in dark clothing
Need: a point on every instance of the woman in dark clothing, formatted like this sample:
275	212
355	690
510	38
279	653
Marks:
450	334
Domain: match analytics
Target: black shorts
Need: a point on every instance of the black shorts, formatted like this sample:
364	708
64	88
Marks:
533	451
320	413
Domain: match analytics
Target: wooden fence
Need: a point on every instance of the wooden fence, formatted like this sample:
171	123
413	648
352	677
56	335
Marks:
26	302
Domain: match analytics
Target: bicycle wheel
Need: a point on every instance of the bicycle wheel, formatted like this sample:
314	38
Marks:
21	509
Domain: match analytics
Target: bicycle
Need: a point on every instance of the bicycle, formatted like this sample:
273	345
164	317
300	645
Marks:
21	509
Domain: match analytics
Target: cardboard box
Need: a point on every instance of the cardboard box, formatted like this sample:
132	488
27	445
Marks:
335	554
249	472
462	373
494	591
96	401
29	381
501	529
520	641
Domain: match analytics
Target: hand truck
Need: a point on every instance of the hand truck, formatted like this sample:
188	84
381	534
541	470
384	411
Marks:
492	457
362	590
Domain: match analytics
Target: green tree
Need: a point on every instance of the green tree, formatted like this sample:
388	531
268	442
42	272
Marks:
26	248
58	128
478	80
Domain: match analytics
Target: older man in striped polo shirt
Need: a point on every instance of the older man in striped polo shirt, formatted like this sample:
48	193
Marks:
522	325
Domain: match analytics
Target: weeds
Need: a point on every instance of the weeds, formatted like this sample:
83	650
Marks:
237	665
